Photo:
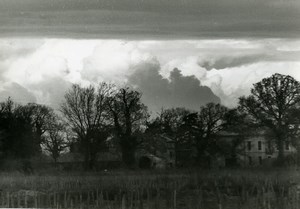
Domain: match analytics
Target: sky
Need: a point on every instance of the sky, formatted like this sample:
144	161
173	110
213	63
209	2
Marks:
177	52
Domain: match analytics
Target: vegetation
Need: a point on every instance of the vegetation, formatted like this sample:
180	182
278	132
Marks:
86	111
95	117
128	114
270	105
192	189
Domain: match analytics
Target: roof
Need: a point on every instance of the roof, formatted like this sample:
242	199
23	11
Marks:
227	133
168	139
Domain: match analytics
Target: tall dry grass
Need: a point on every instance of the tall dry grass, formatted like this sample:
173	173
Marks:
176	189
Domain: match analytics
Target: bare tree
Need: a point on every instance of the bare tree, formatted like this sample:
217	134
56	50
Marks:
56	139
128	114
86	110
270	103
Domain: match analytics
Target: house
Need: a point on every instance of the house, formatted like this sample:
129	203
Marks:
158	154
108	157
232	149
161	154
255	148
259	150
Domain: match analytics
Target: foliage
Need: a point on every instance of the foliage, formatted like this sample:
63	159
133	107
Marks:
270	105
22	127
200	130
128	114
165	127
56	139
94	116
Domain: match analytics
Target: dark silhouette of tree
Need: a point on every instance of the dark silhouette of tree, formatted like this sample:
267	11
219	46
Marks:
86	111
270	103
40	116
171	119
167	125
200	130
18	126
236	127
128	114
56	139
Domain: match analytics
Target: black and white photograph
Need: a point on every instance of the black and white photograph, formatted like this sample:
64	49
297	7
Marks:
150	104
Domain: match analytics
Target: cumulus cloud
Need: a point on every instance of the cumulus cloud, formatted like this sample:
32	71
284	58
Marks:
112	61
176	91
17	92
42	69
51	91
231	83
48	69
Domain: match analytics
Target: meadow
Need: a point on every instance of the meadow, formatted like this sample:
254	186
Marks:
175	189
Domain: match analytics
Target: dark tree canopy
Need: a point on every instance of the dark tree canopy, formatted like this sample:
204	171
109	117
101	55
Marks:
128	114
165	127
270	103
95	116
86	111
56	139
200	129
22	127
171	119
40	116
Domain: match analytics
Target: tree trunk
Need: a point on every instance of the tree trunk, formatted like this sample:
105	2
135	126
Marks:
85	143
280	157
92	161
55	162
128	152
86	161
280	135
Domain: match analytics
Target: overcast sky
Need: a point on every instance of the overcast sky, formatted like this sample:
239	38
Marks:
178	52
150	19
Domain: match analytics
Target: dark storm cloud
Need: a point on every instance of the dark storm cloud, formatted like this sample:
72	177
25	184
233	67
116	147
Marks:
229	61
133	19
236	60
177	91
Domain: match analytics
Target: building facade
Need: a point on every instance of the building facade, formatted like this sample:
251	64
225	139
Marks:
162	154
260	151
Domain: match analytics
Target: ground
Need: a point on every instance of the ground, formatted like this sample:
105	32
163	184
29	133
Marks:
153	189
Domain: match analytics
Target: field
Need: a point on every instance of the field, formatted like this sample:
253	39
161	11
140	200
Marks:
175	189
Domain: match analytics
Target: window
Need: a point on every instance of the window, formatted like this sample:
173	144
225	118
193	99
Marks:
250	160
259	145
171	154
287	145
260	160
249	145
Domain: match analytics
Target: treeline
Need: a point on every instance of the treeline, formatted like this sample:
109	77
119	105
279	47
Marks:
94	116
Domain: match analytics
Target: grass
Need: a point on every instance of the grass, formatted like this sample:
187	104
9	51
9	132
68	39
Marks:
176	189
